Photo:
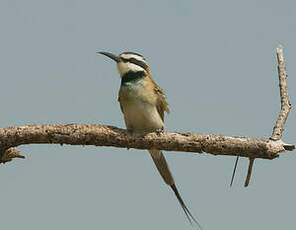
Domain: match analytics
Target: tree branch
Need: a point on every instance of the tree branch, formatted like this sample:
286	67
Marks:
285	103
285	107
9	154
100	135
249	171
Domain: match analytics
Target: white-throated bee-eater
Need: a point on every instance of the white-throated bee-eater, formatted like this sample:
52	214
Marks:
143	104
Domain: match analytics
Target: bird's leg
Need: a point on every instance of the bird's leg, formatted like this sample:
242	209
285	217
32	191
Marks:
130	131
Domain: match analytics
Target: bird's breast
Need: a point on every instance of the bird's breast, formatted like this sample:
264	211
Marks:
138	103
139	91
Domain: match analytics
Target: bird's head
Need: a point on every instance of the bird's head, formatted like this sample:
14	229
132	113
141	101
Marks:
128	62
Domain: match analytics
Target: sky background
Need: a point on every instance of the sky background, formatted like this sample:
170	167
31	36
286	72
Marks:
216	61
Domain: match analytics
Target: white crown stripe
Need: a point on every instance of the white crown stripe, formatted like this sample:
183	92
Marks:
129	56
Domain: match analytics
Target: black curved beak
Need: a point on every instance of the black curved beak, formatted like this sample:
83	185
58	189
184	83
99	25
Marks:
110	55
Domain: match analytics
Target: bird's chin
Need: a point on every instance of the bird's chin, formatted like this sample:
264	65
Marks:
122	68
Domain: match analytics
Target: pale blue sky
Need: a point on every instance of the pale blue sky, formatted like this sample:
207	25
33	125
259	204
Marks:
216	62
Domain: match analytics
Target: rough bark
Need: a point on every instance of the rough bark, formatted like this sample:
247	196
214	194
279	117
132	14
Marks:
100	135
285	103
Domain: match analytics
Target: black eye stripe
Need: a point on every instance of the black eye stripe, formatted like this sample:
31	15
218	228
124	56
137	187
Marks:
135	61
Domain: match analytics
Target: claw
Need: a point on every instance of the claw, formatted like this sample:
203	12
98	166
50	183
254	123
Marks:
159	131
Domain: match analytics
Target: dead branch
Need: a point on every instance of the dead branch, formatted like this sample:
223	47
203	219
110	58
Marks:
249	172
9	154
100	135
285	103
285	106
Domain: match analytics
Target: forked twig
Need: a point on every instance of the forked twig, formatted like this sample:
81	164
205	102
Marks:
285	108
285	103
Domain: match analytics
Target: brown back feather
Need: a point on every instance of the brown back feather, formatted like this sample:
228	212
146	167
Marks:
161	104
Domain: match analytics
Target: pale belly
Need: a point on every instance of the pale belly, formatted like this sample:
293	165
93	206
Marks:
141	116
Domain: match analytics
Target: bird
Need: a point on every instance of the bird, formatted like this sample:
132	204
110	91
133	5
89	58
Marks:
143	104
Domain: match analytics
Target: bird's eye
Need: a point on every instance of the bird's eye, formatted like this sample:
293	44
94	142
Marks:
123	59
138	62
133	60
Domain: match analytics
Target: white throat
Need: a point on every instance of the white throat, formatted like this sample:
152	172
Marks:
124	67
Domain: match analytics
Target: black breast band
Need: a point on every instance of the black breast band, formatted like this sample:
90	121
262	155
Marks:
132	76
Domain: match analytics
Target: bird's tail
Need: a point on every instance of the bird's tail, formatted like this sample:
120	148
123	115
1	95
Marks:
234	170
164	170
162	166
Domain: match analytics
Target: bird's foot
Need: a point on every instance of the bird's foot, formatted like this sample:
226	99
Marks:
159	131
130	132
